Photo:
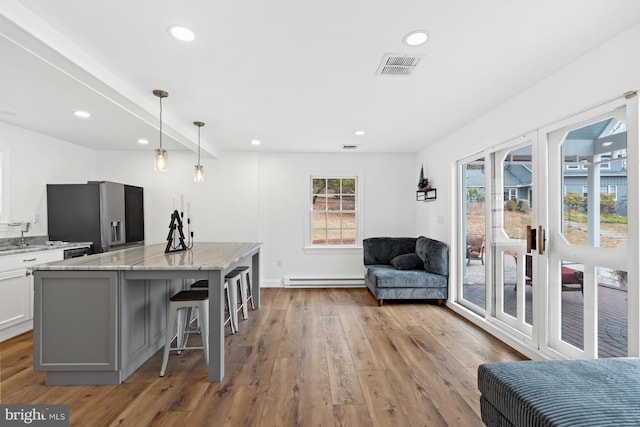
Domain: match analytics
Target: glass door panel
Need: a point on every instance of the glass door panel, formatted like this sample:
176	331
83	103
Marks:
513	204
594	180
572	330
612	313
473	289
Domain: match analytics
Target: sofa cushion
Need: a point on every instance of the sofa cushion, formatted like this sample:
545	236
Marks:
407	262
381	250
595	392
385	276
434	254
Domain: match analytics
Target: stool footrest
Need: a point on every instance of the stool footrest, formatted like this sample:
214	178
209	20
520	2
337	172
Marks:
185	348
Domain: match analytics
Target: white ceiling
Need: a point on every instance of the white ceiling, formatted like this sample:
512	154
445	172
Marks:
298	75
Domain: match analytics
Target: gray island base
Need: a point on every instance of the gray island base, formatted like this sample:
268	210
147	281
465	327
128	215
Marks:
98	318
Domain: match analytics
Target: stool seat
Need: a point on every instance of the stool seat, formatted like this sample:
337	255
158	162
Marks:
200	284
191	295
233	273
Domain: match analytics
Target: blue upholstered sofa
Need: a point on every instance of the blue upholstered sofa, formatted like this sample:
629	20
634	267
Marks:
406	268
554	393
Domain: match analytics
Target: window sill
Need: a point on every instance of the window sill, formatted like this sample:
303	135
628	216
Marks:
332	249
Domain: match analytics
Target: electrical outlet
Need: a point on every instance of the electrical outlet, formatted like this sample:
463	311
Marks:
279	262
36	219
440	219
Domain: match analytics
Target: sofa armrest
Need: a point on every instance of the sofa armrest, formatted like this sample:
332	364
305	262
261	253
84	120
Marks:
435	255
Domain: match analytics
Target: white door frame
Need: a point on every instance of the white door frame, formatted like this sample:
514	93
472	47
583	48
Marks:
624	257
544	340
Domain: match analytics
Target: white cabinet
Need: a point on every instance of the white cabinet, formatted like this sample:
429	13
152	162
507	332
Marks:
16	290
15	299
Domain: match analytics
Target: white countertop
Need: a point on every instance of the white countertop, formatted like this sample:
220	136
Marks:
10	250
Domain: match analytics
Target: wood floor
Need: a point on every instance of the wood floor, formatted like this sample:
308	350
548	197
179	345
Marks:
321	357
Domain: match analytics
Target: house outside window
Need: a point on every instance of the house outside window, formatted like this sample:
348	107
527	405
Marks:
333	209
510	193
610	189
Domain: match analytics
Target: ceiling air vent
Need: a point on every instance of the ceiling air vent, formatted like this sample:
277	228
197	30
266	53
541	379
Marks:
397	64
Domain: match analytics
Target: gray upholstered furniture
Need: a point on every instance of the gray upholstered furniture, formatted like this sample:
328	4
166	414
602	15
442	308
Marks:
406	268
600	392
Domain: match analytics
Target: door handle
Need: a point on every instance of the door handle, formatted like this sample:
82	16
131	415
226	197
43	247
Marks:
531	239
541	240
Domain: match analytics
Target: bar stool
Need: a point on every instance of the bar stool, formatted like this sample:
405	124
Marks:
245	289
186	300
231	299
232	281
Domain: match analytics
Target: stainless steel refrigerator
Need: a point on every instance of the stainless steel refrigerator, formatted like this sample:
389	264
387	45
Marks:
109	214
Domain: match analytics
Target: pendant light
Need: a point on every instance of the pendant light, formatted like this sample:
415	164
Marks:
160	159
198	174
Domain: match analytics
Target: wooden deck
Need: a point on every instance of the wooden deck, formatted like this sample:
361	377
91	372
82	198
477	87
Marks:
612	311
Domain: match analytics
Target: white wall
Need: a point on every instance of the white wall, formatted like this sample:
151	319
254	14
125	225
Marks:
603	74
246	196
388	186
263	197
35	160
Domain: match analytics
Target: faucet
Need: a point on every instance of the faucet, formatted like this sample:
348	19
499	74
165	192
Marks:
24	227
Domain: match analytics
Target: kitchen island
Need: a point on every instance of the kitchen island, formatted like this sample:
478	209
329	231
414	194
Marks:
100	317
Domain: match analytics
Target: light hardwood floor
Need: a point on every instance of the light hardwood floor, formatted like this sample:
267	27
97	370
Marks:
320	357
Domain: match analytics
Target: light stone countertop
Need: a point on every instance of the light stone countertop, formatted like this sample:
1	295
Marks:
202	256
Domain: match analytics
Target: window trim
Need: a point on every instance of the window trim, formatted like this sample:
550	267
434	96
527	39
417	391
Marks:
308	246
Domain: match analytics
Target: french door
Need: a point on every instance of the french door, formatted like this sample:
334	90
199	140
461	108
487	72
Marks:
588	257
556	209
513	213
499	204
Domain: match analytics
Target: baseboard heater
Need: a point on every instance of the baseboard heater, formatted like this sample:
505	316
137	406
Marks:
324	282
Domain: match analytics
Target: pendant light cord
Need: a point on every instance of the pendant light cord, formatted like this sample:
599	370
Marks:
160	122
199	145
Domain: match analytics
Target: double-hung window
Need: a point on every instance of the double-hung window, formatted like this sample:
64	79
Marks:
333	211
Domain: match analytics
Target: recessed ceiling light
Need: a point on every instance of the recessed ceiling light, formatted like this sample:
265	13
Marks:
255	142
359	132
415	38
143	141
606	144
182	33
82	114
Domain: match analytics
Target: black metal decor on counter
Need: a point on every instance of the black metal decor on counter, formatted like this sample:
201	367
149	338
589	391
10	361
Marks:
175	225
